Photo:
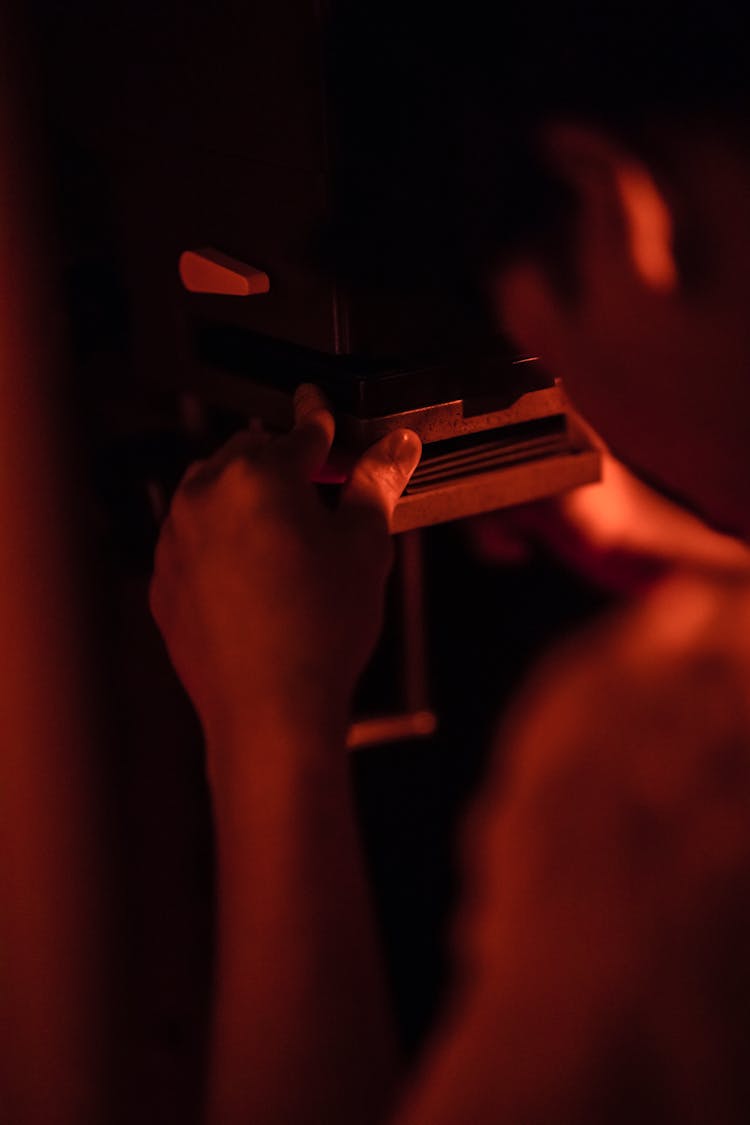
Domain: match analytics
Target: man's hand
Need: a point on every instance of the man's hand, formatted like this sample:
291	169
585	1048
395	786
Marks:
270	603
268	599
618	533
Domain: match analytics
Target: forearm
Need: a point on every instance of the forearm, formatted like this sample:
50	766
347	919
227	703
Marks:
302	1029
506	1062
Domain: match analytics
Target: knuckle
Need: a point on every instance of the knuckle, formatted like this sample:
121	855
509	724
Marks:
384	476
317	419
310	402
372	468
309	440
193	472
243	481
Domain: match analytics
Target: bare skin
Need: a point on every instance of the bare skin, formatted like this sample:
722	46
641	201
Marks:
302	1027
611	861
574	934
609	878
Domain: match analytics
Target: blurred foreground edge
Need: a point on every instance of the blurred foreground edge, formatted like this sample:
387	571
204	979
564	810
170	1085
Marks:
52	1060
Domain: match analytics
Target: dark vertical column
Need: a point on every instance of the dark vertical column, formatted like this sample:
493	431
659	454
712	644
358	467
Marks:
51	1029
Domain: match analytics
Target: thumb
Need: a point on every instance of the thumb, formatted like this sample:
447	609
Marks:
381	475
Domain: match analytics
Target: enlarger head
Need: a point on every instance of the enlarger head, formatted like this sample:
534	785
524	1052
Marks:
287	181
400	335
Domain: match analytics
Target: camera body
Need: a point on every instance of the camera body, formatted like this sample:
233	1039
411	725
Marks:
494	426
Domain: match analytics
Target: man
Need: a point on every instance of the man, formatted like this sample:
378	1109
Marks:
603	940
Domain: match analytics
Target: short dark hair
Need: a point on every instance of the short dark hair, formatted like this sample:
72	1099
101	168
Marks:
441	108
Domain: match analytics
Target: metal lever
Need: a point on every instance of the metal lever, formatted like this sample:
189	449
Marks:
211	271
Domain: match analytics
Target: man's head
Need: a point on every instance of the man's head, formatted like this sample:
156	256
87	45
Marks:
653	346
590	163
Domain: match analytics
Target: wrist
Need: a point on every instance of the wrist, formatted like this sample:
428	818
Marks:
265	740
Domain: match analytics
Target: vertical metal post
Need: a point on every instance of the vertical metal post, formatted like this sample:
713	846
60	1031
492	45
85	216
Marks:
414	653
415	719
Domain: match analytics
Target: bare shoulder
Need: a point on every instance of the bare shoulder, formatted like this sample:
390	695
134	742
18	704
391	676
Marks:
641	723
608	860
669	671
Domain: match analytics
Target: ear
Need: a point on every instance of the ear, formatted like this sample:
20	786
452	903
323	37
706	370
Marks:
624	214
623	242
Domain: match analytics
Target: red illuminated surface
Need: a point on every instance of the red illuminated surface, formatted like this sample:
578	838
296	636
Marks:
210	271
619	533
650	232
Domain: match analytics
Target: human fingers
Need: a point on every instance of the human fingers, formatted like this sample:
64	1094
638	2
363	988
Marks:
381	475
306	447
246	444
